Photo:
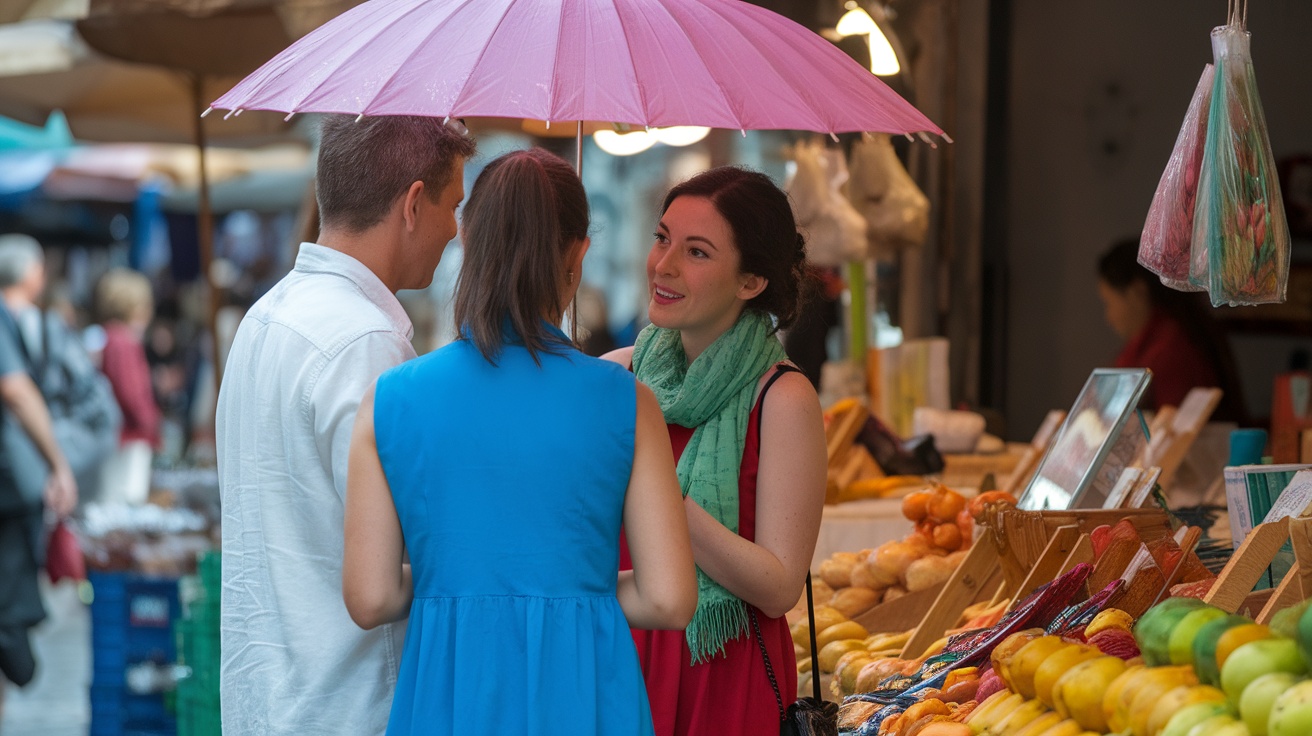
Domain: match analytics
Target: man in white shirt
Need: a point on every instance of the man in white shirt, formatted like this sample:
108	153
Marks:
292	661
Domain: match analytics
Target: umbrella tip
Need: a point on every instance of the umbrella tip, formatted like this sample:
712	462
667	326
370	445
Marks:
288	119
834	136
359	117
743	131
208	110
230	114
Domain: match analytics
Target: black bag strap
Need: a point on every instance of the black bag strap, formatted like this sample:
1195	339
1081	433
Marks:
810	600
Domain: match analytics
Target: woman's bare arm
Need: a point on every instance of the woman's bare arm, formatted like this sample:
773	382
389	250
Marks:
660	592
376	584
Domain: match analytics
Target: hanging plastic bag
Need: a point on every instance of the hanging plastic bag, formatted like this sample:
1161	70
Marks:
1167	234
896	211
1240	250
835	232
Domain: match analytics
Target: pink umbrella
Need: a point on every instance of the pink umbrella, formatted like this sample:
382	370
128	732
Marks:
657	63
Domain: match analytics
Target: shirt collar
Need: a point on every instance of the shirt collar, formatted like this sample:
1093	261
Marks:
315	258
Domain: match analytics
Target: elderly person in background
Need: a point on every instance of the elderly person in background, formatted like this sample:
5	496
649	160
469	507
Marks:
125	305
34	473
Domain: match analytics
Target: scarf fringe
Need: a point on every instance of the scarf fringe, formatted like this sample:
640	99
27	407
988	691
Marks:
713	625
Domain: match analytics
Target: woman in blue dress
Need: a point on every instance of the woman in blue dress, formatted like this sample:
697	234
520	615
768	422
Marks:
500	468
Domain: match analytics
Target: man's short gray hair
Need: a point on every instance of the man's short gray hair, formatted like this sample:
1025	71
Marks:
18	254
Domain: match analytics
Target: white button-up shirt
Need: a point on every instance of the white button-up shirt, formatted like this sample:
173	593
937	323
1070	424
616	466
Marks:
293	662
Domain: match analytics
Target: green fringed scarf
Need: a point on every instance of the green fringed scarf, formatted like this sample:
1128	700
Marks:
713	396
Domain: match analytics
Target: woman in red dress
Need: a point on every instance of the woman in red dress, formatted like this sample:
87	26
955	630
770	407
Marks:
1167	332
724	274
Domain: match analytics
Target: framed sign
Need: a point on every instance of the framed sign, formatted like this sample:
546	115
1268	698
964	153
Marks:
1068	475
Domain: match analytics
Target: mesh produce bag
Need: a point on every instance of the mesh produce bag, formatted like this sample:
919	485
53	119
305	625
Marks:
1169	230
1240	249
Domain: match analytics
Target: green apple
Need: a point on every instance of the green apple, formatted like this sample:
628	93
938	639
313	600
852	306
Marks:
1205	643
1291	715
1191	715
1180	645
1285	622
1153	630
1304	637
1256	701
1256	658
1213	725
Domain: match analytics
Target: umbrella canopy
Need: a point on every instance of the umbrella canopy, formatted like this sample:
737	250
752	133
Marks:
46	66
715	63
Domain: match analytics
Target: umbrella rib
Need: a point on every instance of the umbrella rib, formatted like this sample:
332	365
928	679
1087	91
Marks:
729	100
770	62
637	81
473	67
555	64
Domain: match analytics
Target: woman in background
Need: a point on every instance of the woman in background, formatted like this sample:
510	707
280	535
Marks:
1167	332
724	275
502	466
126	306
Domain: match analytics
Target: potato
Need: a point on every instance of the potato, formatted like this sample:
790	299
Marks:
894	592
893	558
928	572
869	575
820	592
854	601
837	570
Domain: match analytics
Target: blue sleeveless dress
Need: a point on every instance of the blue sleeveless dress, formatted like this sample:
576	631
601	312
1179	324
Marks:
509	484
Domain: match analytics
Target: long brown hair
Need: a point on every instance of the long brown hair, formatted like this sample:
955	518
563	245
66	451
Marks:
525	210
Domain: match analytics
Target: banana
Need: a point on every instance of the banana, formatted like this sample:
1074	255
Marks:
1038	725
997	706
1018	719
1064	728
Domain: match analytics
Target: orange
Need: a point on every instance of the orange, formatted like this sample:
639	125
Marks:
916	505
1236	637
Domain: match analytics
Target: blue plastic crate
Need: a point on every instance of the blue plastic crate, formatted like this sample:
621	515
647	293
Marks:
132	618
117	711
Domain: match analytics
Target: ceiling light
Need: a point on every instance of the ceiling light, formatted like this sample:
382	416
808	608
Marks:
623	144
856	22
680	135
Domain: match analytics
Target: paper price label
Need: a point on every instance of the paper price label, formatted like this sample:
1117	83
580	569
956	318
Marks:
1295	500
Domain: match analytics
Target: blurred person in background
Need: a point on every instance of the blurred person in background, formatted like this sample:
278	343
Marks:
125	306
1168	332
34	473
291	659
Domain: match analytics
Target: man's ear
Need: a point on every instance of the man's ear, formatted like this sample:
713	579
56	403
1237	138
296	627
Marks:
410	205
752	287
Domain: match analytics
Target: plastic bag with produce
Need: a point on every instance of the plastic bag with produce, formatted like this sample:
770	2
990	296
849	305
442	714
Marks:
1240	249
1168	232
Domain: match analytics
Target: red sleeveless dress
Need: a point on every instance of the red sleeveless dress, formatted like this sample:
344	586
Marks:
729	695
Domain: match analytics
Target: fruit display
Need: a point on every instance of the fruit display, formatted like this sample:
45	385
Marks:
943	528
1202	672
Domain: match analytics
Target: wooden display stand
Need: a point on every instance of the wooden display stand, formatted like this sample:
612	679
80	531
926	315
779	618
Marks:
970	583
1176	431
1233	590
